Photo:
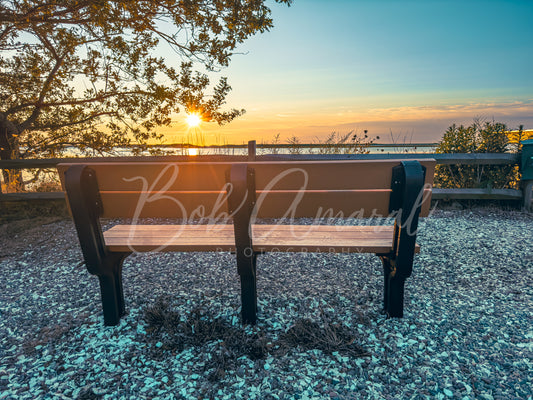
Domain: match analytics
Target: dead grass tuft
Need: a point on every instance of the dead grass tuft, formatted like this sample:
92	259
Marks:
168	332
327	336
159	316
198	329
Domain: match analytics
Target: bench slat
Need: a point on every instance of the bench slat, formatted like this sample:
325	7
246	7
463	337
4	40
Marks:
290	238
130	176
287	175
330	175
171	237
270	205
176	204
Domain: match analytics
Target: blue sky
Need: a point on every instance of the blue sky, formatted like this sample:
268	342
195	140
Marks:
407	67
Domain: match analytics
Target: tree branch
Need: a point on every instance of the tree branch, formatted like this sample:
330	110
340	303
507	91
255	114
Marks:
42	13
5	32
38	104
77	122
75	102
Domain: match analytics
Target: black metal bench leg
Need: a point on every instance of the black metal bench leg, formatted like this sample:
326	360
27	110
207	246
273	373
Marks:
393	290
254	260
249	292
395	296
111	290
118	283
110	299
386	274
248	296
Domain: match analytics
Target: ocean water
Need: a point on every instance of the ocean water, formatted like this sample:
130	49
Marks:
235	151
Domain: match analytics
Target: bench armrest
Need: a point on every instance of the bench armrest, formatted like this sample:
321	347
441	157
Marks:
85	204
407	188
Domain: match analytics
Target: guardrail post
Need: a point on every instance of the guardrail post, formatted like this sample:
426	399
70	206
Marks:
252	146
526	167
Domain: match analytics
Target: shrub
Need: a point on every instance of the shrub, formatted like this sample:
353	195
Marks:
487	137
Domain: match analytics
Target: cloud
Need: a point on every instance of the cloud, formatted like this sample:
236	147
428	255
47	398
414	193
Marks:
422	123
450	111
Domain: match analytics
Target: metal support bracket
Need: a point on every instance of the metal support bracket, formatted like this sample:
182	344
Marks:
241	201
86	207
407	185
407	190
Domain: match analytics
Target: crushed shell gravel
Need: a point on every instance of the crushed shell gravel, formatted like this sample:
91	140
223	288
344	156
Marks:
467	331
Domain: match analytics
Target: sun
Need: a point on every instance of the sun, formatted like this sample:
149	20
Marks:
193	120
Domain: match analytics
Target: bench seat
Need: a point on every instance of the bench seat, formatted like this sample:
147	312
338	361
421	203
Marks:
266	238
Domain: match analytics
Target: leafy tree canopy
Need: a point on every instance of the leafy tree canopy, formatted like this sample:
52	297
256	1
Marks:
85	73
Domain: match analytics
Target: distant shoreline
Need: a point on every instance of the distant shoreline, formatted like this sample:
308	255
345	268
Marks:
288	145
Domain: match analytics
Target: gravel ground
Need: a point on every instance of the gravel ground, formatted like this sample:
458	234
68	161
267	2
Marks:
467	331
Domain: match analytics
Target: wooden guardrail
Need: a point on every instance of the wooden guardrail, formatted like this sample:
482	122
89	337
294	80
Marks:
438	194
448	158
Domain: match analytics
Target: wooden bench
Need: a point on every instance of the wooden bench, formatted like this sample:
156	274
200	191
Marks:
225	199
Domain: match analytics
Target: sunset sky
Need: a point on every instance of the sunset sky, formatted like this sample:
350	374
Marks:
407	67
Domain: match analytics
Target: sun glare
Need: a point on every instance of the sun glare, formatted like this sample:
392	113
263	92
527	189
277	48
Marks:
193	120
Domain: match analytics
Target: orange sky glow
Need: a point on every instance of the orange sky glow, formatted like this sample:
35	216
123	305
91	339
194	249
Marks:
403	71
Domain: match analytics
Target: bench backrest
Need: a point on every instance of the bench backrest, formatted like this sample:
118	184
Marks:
283	188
